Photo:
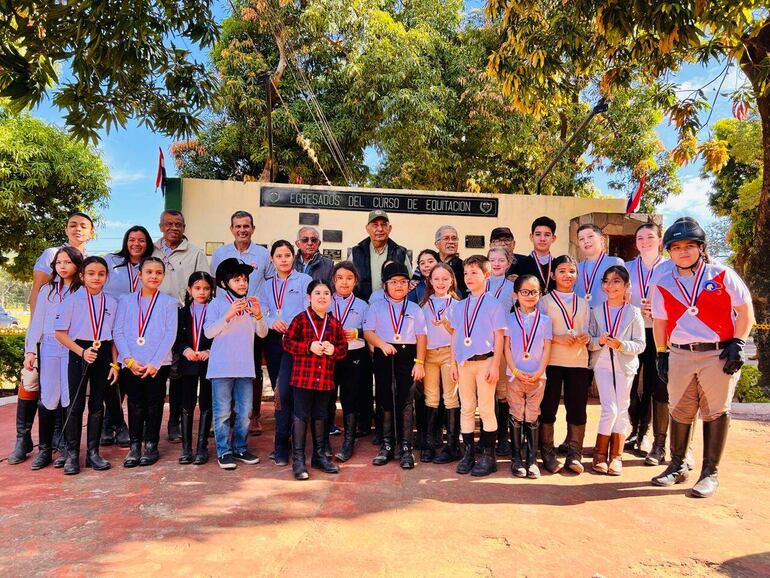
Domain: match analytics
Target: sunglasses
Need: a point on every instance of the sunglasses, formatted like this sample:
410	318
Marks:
308	239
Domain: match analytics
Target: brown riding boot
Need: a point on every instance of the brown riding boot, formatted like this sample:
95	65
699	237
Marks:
616	454
601	448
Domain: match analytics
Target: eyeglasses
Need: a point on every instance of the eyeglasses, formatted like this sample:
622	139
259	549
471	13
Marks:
308	239
398	282
529	292
449	239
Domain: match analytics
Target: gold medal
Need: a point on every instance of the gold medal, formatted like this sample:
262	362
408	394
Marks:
96	344
468	341
140	341
397	337
588	297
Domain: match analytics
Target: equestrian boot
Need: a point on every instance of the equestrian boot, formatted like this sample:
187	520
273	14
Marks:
378	419
451	451
503	431
320	460
174	410
468	462
386	448
72	433
644	425
600	464
689	458
93	435
677	470
135	429
59	441
563	448
616	454
633	437
421	419
25	419
150	454
547	453
487	462
657	454
407	419
714	438
186	424
122	438
202	450
530	434
517	466
298	437
108	432
349	439
428	453
575	454
46	420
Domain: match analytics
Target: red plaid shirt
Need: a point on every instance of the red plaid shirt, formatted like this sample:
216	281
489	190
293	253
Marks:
311	371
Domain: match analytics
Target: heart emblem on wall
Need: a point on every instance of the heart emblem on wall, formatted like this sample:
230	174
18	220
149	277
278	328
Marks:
274	196
486	207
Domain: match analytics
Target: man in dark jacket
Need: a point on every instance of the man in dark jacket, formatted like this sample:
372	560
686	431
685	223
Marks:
309	259
448	243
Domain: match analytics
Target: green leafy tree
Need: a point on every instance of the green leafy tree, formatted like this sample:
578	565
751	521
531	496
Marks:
547	49
44	176
107	62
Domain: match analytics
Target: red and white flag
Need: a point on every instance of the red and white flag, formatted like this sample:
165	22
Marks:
633	200
160	178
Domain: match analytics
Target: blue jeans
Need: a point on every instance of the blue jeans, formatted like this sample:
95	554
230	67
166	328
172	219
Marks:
225	391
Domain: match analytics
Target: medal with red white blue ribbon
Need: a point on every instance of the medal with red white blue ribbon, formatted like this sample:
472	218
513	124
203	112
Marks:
691	300
231	300
547	277
197	325
143	319
588	281
614	326
342	317
96	320
279	294
569	319
644	278
318	337
470	322
527	339
397	324
133	277
438	313
498	290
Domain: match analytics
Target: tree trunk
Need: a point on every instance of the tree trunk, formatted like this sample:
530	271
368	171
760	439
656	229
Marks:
269	169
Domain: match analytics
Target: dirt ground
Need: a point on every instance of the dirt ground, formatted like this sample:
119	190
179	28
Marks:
202	521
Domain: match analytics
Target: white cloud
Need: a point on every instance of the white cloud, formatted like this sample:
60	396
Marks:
125	177
692	201
110	224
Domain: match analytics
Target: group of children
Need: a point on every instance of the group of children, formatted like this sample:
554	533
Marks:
509	350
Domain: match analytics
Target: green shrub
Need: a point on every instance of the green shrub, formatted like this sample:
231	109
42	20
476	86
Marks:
748	389
11	358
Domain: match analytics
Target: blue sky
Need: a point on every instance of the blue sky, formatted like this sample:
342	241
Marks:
132	156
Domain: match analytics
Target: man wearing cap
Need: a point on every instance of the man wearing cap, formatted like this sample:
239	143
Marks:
447	242
702	315
538	262
370	254
310	260
503	237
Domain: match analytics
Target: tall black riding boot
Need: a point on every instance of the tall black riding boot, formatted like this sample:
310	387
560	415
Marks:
349	439
187	425
25	419
428	453
298	437
202	449
547	453
93	436
677	470
530	430
59	440
72	433
714	439
421	419
150	454
407	424
451	451
174	410
386	448
503	431
517	466
46	420
378	419
108	431
487	462
320	460
657	454
135	430
468	462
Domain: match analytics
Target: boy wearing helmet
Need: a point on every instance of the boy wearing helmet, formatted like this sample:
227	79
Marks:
702	315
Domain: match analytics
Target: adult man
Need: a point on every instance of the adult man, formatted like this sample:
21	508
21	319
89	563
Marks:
369	255
538	262
503	237
181	259
256	256
702	315
447	242
310	260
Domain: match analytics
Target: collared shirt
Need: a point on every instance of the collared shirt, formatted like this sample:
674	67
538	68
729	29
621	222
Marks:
160	332
311	371
354	319
489	319
180	263
501	289
255	255
376	297
378	319
232	351
438	336
637	271
42	323
542	334
597	295
44	263
72	316
376	260
564	355
118	282
720	291
294	297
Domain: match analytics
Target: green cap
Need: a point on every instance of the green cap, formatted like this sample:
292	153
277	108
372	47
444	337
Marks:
377	214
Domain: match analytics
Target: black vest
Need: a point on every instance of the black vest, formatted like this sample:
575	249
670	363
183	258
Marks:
359	254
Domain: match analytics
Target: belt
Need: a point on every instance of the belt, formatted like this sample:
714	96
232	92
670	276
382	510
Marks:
700	346
481	356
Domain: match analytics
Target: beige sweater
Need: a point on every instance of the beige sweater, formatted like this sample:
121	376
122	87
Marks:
563	355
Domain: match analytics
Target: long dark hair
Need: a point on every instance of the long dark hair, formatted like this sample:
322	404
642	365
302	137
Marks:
124	248
200	276
77	259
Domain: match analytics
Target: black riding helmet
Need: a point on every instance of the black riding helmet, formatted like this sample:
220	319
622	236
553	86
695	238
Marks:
230	268
684	229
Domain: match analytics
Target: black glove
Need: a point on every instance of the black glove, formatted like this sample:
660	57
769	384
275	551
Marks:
734	355
661	364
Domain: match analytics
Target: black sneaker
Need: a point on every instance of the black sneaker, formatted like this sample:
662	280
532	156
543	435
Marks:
246	457
227	462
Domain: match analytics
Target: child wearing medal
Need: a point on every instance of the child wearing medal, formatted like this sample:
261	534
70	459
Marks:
499	286
194	348
316	341
395	328
567	367
83	324
440	297
527	351
352	374
282	298
617	337
232	320
145	331
595	262
478	327
42	349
